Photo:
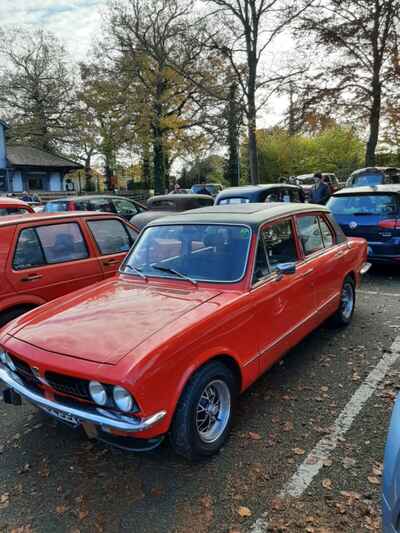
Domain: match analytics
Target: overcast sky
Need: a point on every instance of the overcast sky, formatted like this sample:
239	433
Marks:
78	22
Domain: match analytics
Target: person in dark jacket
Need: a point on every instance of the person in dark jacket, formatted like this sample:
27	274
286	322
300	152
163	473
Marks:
204	189
320	192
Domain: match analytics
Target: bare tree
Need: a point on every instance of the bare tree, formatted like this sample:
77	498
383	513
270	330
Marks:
36	87
250	28
358	39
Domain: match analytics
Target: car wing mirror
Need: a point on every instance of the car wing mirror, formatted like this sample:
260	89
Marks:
285	269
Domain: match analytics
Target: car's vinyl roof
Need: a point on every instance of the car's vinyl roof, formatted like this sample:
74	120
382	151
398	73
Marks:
37	217
389	187
250	214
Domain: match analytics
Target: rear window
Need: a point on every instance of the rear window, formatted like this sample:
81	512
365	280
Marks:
367	180
225	201
363	204
56	207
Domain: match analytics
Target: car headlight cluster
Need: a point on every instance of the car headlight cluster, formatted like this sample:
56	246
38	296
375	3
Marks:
102	395
6	360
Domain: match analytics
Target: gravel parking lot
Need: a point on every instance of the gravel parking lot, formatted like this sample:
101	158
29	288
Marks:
53	479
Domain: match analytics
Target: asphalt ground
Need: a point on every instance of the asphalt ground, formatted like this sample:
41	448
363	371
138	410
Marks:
54	480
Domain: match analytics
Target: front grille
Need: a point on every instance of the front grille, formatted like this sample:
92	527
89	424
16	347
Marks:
68	385
24	371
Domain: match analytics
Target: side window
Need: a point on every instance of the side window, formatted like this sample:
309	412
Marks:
28	252
310	234
294	195
111	236
125	207
326	233
279	244
100	204
62	242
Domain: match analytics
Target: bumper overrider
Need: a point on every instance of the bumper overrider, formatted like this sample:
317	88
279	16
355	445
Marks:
103	419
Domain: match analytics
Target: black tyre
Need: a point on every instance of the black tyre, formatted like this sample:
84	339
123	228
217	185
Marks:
203	416
344	314
10	314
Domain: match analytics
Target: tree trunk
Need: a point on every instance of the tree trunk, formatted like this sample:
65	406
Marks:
158	162
374	119
252	148
252	118
233	120
88	173
146	167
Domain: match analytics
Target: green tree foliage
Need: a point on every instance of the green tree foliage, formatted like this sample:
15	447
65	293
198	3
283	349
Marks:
336	149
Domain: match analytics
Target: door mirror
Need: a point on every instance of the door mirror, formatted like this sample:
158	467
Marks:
285	269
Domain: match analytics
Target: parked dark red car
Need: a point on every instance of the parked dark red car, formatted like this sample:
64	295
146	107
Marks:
43	256
14	206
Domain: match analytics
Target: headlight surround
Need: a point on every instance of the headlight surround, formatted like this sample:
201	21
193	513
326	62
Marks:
6	360
122	399
98	392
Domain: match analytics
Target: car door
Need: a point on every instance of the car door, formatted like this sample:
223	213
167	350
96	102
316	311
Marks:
125	208
50	260
327	257
113	239
284	304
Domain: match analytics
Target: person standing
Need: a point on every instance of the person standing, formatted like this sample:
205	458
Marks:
204	190
320	191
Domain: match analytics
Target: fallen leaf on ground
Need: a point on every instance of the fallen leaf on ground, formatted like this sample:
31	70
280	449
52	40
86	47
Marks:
244	512
254	436
299	451
374	480
327	484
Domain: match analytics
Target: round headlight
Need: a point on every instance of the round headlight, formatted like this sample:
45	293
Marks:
9	362
123	400
98	393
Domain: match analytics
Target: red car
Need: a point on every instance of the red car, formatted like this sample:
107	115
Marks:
205	302
14	206
44	256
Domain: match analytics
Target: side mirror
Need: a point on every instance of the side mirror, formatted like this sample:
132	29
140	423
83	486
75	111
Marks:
285	269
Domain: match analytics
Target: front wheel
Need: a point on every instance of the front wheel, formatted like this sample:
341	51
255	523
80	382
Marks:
344	314
204	414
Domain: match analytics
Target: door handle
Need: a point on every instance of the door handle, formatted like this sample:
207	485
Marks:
32	277
111	262
307	273
339	254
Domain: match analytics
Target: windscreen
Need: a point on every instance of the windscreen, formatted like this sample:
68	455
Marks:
200	252
365	180
363	204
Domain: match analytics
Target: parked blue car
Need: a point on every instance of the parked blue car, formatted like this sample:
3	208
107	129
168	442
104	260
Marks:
270	192
372	176
391	475
374	214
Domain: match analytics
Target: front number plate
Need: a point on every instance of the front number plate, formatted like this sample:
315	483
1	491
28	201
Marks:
65	417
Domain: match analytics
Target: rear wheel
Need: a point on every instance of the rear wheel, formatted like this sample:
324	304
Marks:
344	314
10	314
204	414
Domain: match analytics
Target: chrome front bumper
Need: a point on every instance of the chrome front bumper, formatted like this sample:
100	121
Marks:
100	417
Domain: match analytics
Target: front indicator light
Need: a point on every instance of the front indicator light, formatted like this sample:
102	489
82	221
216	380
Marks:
122	399
98	393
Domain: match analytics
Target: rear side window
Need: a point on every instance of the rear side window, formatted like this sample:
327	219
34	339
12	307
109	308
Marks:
315	234
28	252
100	204
310	234
13	211
112	236
125	207
62	242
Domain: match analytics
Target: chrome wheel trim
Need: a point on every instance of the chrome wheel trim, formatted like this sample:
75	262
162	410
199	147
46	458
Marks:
213	411
347	300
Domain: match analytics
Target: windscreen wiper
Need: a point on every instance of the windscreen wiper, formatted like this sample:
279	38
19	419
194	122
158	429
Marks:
136	269
173	271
